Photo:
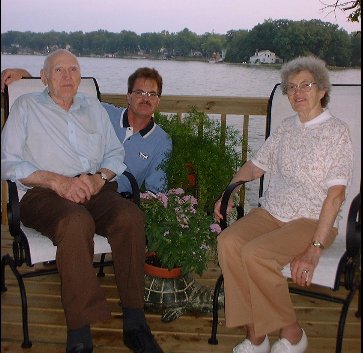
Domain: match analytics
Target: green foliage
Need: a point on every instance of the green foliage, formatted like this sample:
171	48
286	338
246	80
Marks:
179	232
289	39
196	142
286	38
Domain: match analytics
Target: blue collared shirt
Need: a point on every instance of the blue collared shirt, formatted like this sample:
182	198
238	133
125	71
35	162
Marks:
145	151
40	135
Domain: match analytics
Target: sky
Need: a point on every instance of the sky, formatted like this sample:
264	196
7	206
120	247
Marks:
142	16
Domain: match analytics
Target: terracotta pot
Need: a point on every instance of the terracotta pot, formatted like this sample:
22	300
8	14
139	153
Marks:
161	272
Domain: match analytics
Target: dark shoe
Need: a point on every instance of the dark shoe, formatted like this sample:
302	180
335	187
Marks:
141	340
79	348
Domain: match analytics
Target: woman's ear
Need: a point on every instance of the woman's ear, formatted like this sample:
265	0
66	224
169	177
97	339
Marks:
43	77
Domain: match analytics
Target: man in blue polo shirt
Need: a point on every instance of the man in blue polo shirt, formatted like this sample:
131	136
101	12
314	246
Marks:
146	144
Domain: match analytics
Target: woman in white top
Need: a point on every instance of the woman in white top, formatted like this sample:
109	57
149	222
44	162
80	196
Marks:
309	159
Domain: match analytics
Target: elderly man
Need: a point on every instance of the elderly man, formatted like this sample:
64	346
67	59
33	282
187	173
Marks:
60	148
146	143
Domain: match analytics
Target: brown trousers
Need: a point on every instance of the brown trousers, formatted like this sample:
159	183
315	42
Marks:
71	227
252	251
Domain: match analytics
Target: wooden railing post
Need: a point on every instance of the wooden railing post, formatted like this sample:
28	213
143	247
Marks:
246	122
223	129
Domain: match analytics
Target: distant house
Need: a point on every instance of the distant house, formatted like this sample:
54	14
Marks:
264	57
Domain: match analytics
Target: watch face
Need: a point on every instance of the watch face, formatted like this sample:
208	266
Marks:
317	244
103	176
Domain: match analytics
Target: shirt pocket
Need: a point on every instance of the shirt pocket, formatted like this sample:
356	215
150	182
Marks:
91	147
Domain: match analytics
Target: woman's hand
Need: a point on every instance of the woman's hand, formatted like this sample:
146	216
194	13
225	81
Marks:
303	266
217	209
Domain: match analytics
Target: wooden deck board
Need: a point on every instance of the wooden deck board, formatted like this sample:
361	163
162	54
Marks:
187	334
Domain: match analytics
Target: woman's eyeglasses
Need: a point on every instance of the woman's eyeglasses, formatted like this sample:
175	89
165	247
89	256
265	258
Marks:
291	88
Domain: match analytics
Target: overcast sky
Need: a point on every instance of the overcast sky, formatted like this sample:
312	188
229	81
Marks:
141	16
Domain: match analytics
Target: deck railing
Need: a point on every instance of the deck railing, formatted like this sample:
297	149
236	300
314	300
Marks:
219	106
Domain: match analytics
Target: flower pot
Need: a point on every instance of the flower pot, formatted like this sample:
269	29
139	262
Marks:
157	271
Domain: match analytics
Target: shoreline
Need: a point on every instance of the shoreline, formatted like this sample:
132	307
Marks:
183	58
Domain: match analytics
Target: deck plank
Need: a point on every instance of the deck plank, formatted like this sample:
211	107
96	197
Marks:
187	334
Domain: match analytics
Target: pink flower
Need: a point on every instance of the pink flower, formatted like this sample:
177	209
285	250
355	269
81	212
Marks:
215	228
177	191
146	195
164	199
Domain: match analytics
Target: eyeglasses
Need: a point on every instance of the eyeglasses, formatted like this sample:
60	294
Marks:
140	93
291	88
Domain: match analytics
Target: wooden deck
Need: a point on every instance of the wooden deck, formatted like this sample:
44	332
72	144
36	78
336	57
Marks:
187	334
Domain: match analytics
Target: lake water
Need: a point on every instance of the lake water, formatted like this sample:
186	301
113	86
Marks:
180	77
188	78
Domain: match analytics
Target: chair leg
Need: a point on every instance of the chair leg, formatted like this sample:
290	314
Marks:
8	260
101	272
4	261
217	290
358	314
341	325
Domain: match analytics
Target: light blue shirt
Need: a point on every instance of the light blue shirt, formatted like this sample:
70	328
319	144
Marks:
145	151
40	135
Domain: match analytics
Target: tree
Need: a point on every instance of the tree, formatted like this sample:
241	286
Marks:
352	8
356	40
212	43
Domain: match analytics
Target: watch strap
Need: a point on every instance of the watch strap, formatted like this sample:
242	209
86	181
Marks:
103	176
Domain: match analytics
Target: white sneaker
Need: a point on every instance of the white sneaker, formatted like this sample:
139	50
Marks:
284	346
247	347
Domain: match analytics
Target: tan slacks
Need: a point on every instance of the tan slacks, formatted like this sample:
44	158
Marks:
71	227
252	251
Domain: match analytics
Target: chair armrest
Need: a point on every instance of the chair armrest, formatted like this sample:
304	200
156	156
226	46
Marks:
13	209
353	236
134	187
224	203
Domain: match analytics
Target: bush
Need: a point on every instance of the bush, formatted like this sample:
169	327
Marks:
196	142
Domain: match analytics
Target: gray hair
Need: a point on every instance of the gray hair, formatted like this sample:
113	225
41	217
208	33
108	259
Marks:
53	54
315	66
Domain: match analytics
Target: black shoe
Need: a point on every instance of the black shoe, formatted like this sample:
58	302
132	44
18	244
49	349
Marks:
79	348
141	340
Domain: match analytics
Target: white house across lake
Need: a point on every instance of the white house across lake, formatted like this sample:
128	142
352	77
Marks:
264	57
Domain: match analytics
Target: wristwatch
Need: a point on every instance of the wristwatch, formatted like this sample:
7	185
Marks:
103	176
317	244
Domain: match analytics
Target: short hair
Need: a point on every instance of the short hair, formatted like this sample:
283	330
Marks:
315	66
50	56
146	73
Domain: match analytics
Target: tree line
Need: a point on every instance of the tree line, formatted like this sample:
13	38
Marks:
286	38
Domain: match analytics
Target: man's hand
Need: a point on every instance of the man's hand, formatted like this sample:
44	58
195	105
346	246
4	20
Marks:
79	189
10	75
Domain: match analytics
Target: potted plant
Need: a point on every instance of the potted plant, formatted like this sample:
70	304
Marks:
179	233
198	156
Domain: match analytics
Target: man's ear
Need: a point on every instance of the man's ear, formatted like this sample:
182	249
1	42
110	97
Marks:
43	77
128	97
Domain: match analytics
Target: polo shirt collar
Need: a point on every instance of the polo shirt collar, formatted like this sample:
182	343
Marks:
144	131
